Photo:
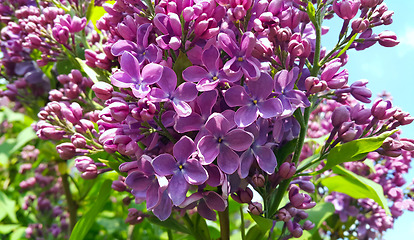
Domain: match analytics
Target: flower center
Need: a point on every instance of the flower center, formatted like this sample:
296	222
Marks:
215	78
254	102
144	53
220	140
240	59
181	167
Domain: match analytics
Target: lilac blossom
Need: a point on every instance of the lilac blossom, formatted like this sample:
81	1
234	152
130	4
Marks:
179	96
241	61
183	168
222	142
141	49
284	89
130	76
255	104
208	79
170	27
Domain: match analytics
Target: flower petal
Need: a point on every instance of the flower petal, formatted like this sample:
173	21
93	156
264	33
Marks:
122	80
262	87
205	211
122	46
215	201
265	158
163	210
238	139
186	92
183	149
195	74
130	65
168	81
215	176
153	195
182	108
246	161
193	122
209	148
194	173
164	164
246	115
250	69
228	160
206	101
177	188
137	181
218	125
152	73
236	96
211	59
270	108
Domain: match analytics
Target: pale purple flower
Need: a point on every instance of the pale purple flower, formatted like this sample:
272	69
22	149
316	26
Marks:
255	104
208	78
222	142
130	76
183	168
179	96
241	61
259	150
284	89
141	49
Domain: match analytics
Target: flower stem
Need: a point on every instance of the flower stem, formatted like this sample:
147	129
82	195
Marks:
72	206
224	224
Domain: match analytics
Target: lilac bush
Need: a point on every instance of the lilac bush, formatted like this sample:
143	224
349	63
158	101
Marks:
182	104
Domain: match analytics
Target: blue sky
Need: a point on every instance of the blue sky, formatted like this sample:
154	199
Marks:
389	69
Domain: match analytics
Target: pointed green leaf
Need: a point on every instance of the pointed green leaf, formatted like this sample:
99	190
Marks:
264	223
180	65
8	206
354	150
356	186
88	219
255	233
347	46
89	71
319	214
311	13
170	223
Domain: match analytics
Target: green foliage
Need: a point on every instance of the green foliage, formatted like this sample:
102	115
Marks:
356	186
318	215
354	150
8	206
180	65
85	223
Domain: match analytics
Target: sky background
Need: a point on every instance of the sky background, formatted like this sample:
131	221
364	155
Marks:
388	69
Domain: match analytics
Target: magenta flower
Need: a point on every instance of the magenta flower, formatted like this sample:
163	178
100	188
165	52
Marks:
130	76
170	26
255	104
241	61
141	50
179	97
183	169
207	79
346	9
222	142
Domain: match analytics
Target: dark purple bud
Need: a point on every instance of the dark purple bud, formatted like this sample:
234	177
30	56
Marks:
76	76
129	167
243	196
255	208
134	217
52	133
388	39
370	3
287	170
382	109
296	198
284	215
258	180
302	214
308	225
307	186
340	115
43	204
299	47
66	150
294	228
71	90
119	186
360	115
127	200
315	85
73	113
403	118
349	131
103	90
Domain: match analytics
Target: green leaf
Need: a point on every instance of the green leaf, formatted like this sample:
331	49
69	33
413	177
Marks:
12	116
264	223
89	71
170	223
88	219
8	206
356	186
18	234
354	150
180	65
7	228
311	13
255	233
200	226
24	137
96	12
347	46
64	66
318	215
371	164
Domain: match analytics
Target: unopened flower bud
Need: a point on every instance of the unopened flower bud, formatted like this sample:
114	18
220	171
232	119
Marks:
308	225
118	185
382	109
359	25
78	140
103	90
346	9
243	196
287	170
294	228
284	215
255	208
339	116
66	150
314	85
388	39
258	180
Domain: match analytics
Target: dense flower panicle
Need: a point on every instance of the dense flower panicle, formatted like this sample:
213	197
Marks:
200	100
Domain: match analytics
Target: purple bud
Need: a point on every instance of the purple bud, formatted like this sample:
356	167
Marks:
308	225
340	115
388	39
314	85
243	196
349	131
258	180
255	208
403	118
382	109
408	144
294	228
119	110
128	167
296	198
359	25
283	34
103	90
287	170
346	9
119	186
134	217
55	95
307	186
76	76
78	140
66	150
360	115
360	92
284	215
370	3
